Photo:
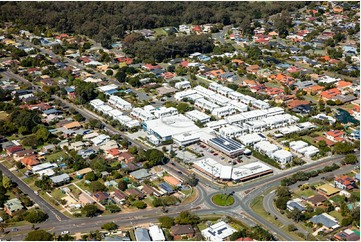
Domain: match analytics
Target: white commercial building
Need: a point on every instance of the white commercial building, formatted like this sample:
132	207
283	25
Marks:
214	169
166	127
223	111
100	139
216	124
196	115
251	139
119	103
260	104
96	102
183	85
282	156
142	114
108	88
241	107
183	94
302	147
165	112
205	104
156	233
266	147
218	232
231	131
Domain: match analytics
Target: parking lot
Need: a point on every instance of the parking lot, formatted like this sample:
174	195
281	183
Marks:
209	152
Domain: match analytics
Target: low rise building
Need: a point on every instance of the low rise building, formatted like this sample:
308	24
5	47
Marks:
218	232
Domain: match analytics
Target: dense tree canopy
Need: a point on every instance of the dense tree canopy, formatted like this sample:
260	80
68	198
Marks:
38	235
104	20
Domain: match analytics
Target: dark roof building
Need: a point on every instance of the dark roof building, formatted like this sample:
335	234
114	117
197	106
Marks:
227	146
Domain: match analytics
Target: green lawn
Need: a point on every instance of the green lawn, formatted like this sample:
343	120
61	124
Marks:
57	194
337	215
223	200
337	198
56	156
306	192
160	32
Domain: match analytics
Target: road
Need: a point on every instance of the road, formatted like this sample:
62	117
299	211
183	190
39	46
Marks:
54	215
220	35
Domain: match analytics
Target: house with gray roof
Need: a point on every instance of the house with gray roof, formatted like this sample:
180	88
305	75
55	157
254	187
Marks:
140	174
12	206
60	179
142	234
326	220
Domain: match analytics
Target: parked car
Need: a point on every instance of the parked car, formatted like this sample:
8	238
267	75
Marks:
64	232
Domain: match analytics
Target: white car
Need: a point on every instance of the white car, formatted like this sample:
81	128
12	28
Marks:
64	232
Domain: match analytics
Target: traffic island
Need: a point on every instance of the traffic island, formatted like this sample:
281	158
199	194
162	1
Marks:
223	200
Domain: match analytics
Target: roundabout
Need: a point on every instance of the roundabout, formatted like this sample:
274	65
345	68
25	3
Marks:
223	200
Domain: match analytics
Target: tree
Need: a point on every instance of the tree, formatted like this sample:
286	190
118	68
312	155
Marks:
110	226
291	227
7	183
283	191
112	208
154	157
122	185
97	186
42	134
109	72
239	234
139	204
90	176
90	210
281	202
186	217
38	235
35	216
349	159
166	222
343	148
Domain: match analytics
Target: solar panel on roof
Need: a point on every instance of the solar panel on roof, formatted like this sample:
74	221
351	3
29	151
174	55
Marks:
255	168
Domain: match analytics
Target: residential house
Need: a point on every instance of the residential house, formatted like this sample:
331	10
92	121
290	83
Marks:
156	233
329	94
252	69
296	103
119	196
296	204
85	199
112	153
135	192
316	89
327	190
316	200
11	150
60	179
180	232
140	174
30	161
172	181
326	220
150	190
335	135
12	206
22	154
348	235
72	125
343	86
142	234
345	182
101	197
